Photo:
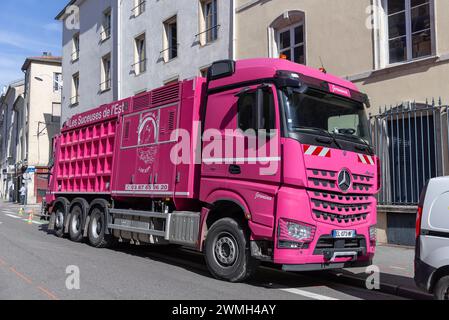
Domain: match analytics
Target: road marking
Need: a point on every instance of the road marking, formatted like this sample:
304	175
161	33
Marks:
308	294
12	216
48	293
398	268
17	273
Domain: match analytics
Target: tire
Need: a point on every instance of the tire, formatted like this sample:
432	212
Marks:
228	253
96	230
75	225
59	222
442	289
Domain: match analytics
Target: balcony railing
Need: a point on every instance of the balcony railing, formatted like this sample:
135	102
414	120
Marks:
140	66
74	100
208	35
170	53
106	85
75	55
139	9
105	34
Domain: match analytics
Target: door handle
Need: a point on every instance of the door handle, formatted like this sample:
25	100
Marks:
233	169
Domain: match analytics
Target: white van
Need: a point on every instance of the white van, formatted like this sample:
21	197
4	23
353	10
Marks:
432	239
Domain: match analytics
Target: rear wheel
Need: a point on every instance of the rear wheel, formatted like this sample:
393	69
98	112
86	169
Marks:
228	253
97	230
442	289
59	222
75	225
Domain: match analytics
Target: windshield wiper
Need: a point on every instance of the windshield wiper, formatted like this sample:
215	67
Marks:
323	131
356	138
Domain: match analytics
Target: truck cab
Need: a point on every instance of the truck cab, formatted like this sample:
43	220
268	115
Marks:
295	157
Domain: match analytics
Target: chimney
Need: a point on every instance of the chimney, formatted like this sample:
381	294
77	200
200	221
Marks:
47	54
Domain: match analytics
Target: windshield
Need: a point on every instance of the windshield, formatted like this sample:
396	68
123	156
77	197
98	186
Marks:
316	112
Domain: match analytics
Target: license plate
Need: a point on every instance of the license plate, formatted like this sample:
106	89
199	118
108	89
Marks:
343	234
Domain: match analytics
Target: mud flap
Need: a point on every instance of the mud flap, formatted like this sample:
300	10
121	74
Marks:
66	223
51	225
86	225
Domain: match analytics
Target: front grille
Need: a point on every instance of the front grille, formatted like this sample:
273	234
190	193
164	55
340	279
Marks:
326	243
340	209
327	180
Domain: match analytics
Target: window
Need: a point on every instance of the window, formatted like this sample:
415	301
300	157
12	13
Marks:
290	42
204	71
140	55
106	26
170	81
75	47
57	82
139	7
209	25
409	29
170	39
105	73
247	109
256	110
56	112
75	89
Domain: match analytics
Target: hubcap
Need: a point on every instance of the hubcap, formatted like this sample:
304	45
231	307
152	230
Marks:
75	224
59	219
96	227
226	250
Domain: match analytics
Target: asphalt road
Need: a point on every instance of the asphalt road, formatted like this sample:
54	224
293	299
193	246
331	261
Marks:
33	265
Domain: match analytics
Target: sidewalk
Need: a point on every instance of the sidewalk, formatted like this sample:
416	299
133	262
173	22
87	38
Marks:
396	266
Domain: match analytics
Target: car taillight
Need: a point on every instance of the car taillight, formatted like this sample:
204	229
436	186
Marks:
418	222
419	214
293	234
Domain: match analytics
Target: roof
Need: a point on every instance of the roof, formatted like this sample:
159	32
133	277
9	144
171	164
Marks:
260	68
42	59
63	11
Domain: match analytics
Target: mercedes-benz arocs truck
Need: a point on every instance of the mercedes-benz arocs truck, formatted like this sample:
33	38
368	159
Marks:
265	160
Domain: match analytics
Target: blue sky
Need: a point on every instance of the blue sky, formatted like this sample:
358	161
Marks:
27	28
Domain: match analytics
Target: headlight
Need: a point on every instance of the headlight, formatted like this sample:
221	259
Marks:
294	234
373	233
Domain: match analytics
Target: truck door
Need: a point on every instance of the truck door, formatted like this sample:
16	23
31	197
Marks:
256	168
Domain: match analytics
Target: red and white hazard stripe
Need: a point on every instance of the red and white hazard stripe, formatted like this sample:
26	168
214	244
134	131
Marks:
317	151
365	159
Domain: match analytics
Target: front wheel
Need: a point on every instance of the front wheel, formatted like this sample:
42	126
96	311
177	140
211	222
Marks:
228	253
97	230
442	289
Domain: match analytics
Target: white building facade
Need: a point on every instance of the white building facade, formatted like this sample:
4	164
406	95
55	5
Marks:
113	49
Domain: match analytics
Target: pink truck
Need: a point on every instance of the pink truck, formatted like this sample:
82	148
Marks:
265	160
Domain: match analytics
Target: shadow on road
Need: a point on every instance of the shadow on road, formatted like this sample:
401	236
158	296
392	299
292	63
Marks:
268	276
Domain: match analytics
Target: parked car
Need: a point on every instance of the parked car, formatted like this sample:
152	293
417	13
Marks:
432	239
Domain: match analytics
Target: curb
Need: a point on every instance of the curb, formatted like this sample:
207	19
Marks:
388	288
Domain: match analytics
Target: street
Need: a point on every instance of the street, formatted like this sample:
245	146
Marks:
33	265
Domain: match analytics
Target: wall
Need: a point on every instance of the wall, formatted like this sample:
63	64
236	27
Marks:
191	56
337	35
89	64
8	142
40	130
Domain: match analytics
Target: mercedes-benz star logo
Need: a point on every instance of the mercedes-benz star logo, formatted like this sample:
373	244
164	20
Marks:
344	180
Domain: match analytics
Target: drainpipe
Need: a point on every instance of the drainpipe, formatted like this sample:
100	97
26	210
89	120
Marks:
233	32
119	49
